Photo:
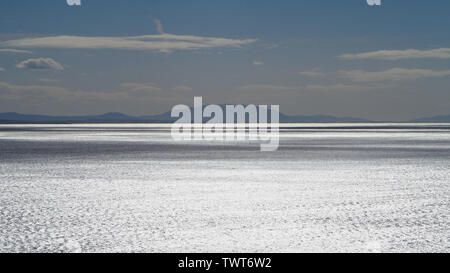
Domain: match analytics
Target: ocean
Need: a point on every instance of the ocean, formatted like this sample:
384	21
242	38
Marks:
131	188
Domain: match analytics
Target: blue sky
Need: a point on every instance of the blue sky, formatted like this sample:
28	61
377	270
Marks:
341	58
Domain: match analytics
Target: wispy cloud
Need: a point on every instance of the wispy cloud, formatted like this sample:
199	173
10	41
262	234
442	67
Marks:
141	87
275	89
12	50
182	88
258	63
344	87
394	74
33	93
40	63
313	73
161	42
48	80
125	92
1	69
440	53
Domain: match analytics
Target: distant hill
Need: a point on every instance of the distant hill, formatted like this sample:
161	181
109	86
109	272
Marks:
283	118
6	118
107	117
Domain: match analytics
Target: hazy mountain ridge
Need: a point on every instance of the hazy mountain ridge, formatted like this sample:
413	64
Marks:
115	117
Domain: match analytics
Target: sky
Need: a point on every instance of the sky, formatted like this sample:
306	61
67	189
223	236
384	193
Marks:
141	57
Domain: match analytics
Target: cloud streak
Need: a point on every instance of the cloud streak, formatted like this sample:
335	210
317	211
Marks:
341	87
266	87
160	42
141	87
48	80
12	50
40	63
440	53
312	73
182	88
394	74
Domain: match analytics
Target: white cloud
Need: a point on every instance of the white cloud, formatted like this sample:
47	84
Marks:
11	50
1	69
40	63
258	63
394	74
160	42
313	73
440	53
182	88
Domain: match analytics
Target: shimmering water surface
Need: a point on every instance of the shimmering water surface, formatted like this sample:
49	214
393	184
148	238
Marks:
130	188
